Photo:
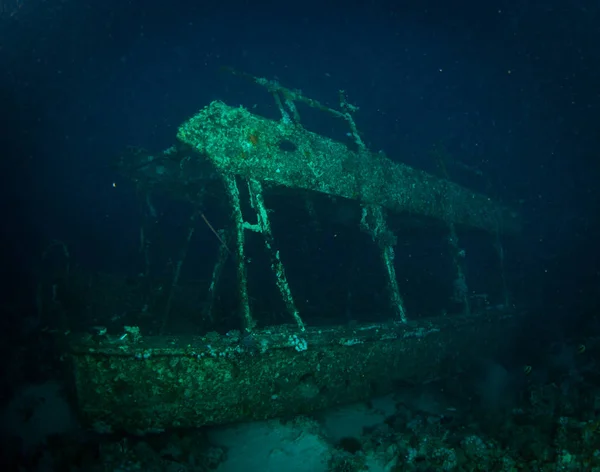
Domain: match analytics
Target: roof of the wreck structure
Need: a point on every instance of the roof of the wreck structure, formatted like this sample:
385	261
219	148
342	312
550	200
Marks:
284	153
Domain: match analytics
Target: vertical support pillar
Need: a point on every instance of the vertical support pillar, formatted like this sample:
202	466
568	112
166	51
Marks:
214	281
147	227
177	274
238	224
373	221
461	289
264	227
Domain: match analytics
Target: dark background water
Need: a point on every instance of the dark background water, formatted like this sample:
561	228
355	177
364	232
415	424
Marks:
509	88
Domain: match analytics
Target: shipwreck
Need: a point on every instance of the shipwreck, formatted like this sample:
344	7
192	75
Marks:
192	352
